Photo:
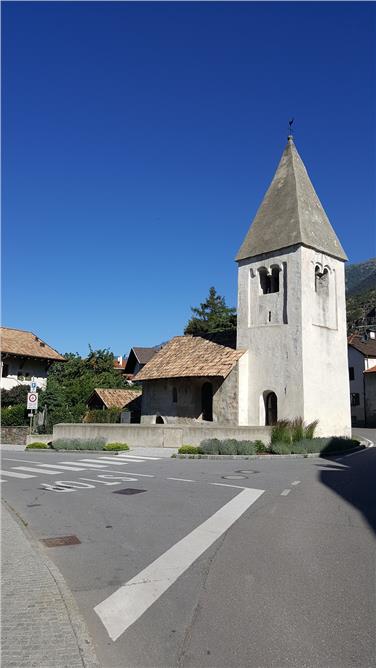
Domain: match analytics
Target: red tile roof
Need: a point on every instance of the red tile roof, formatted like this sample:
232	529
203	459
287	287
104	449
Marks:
365	346
26	344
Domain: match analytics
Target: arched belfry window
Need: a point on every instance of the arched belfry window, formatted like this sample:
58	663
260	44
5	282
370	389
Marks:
274	279
321	281
269	281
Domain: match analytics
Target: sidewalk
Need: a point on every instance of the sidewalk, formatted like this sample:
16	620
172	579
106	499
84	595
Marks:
40	623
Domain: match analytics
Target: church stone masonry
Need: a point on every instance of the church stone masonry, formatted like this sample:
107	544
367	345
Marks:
291	309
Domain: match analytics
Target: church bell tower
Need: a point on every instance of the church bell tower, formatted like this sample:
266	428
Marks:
291	309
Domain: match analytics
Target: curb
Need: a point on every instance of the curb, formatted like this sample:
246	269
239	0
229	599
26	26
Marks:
308	455
85	643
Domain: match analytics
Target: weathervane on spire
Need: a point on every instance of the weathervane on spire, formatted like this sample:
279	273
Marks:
290	128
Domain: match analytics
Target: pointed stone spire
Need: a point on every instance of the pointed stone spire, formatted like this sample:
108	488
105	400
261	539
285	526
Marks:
290	213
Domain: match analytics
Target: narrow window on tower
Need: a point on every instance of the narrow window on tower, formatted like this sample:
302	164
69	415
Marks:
265	281
321	281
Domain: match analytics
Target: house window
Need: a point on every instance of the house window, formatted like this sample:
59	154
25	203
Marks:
355	399
174	395
351	373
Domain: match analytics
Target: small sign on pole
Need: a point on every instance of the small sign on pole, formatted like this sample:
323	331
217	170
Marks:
32	401
33	386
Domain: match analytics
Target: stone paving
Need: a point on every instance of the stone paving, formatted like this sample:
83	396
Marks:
40	624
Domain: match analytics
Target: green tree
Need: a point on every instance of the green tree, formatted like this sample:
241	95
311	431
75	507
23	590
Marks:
70	384
212	316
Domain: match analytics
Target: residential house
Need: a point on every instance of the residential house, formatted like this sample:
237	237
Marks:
25	357
362	357
370	396
137	359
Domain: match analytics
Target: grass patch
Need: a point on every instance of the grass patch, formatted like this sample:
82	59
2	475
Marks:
323	446
37	445
116	446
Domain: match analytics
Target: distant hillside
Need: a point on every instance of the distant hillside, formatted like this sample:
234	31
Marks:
361	277
361	295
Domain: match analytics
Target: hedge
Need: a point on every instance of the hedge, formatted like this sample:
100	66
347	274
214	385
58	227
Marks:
78	444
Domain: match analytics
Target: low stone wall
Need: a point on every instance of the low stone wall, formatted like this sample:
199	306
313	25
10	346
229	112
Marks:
14	435
160	436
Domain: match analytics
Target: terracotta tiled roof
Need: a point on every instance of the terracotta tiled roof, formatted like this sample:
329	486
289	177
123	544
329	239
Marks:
116	398
371	370
366	347
27	344
118	365
189	356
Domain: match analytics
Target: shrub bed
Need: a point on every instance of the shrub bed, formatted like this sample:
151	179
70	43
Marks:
189	450
213	446
78	444
116	446
323	446
37	445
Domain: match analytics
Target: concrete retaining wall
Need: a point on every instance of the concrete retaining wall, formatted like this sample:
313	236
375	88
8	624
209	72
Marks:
159	436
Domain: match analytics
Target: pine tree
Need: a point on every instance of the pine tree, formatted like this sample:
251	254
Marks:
212	316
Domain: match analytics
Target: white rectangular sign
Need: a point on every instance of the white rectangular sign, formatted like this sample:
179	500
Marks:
32	400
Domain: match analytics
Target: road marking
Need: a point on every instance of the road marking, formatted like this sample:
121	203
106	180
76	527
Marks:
3	480
124	460
88	466
12	474
102	482
105	463
34	470
129	602
223	484
140	475
285	492
65	468
137	456
296	482
182	479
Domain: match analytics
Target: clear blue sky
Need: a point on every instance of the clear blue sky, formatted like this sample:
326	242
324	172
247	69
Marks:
139	139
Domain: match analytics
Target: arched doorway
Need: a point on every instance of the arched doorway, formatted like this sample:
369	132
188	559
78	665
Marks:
271	408
207	402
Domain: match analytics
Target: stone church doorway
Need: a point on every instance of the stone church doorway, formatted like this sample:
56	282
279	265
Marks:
271	408
207	402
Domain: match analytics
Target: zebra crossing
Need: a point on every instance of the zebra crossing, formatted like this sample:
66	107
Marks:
99	463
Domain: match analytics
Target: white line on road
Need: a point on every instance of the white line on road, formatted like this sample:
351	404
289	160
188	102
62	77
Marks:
129	602
65	468
125	455
105	462
296	482
12	474
124	460
285	492
34	470
182	479
88	466
224	484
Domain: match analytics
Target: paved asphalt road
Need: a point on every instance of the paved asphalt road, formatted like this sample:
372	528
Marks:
283	576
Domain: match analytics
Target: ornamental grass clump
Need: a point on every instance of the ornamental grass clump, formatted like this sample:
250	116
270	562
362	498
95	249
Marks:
292	431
